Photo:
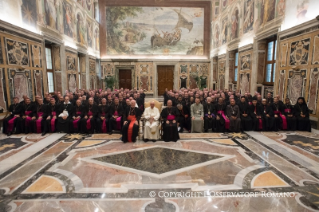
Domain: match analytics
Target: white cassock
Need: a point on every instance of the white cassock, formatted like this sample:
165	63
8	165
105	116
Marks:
151	129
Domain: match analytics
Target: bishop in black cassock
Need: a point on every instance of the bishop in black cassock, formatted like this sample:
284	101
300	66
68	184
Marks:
170	117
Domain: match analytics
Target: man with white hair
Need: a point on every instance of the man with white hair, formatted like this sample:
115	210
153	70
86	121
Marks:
151	115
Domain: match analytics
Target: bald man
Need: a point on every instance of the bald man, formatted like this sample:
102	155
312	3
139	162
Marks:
151	115
131	118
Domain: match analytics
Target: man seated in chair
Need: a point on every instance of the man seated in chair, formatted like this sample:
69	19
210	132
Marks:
131	118
170	117
197	114
151	115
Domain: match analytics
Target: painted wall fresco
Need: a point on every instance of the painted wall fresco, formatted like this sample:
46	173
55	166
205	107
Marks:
73	19
88	5
248	15
235	24
155	30
29	12
299	11
68	19
53	14
81	28
244	19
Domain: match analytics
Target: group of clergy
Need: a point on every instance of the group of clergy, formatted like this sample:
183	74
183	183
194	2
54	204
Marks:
223	111
100	111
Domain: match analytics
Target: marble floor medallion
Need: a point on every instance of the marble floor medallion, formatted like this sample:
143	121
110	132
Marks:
159	161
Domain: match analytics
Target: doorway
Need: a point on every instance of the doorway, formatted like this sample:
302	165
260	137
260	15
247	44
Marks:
125	78
165	78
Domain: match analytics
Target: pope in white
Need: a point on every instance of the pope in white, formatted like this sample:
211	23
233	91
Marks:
151	115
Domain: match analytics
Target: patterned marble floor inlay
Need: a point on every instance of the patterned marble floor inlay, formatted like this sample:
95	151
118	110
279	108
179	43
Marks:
79	172
157	160
10	144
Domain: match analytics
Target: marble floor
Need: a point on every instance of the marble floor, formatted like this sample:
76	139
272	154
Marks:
251	171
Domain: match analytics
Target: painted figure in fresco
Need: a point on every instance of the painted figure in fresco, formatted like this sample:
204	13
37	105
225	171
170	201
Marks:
234	24
52	13
216	40
90	34
248	15
271	7
97	39
88	4
68	20
224	32
302	10
281	7
80	30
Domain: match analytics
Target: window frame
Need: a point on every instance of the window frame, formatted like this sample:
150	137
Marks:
49	70
272	62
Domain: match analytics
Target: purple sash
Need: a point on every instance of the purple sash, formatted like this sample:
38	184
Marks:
11	124
27	118
75	122
38	122
284	120
227	122
287	110
118	121
53	121
170	117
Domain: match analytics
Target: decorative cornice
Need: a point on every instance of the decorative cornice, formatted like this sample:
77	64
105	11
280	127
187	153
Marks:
245	48
70	49
18	31
299	29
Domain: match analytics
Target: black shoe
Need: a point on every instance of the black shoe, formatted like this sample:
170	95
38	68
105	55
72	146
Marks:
110	133
9	134
43	134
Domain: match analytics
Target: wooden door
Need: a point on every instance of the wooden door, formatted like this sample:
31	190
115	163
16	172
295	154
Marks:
165	78
125	78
